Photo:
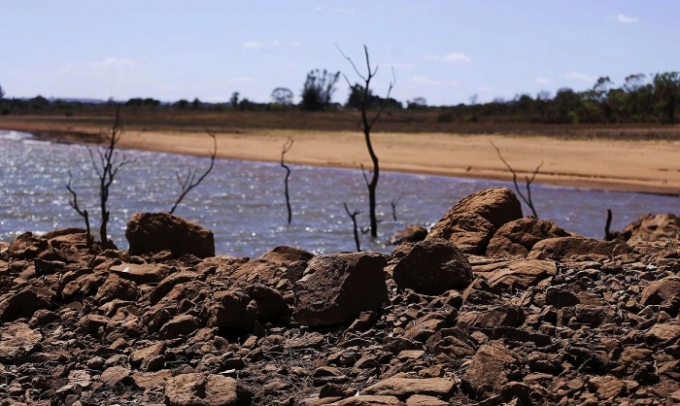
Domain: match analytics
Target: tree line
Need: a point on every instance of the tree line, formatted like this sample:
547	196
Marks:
641	98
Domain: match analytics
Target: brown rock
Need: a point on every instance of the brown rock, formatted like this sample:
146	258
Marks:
411	233
521	274
27	246
179	326
200	390
169	283
652	227
664	333
284	255
471	223
407	387
116	288
142	357
432	267
231	312
424	400
606	387
661	292
364	400
149	233
488	371
17	341
90	324
335	288
21	304
142	273
577	247
516	238
114	375
151	380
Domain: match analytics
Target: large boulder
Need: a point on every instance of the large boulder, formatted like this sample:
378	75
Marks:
488	371
664	291
200	390
579	248
652	227
516	238
335	288
471	223
21	304
522	274
27	246
432	267
149	233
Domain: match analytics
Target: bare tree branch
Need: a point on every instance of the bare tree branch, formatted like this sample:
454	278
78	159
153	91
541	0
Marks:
190	182
353	216
366	126
527	199
394	204
83	213
286	147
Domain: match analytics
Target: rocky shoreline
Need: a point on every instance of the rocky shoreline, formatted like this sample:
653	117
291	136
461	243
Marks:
490	308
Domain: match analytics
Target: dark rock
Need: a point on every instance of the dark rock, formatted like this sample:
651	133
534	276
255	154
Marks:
179	326
433	267
335	288
652	227
411	233
516	238
231	312
116	288
149	233
471	223
560	298
21	304
577	248
27	246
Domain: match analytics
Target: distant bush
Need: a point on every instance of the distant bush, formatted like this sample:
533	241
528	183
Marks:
446	116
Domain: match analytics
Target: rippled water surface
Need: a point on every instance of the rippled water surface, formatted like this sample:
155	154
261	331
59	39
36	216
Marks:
242	202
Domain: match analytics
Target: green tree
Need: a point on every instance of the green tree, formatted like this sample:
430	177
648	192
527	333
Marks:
667	92
318	90
283	96
2	94
233	100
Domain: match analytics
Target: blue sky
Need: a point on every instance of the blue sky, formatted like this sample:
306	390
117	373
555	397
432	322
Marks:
444	51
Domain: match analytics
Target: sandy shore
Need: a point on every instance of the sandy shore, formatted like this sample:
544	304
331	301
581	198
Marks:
637	166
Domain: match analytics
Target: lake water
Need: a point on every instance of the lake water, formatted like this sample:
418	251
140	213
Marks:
242	202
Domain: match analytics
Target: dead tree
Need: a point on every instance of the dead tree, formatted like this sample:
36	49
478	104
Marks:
353	216
83	213
107	169
366	126
190	181
394	204
527	199
286	147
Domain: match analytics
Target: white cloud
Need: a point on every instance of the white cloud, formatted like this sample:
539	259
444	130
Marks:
422	80
452	58
113	62
622	18
295	44
543	81
261	45
580	77
340	10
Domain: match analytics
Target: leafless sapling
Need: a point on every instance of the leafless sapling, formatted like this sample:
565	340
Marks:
353	216
366	126
83	213
608	234
527	199
107	169
286	147
394	204
190	181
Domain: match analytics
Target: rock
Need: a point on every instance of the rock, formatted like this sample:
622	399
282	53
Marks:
606	387
21	304
403	387
516	238
335	288
432	267
271	306
114	375
231	312
652	227
368	400
91	323
663	291
663	334
471	223
199	390
488	371
284	255
116	288
179	326
520	274
142	273
27	246
424	400
152	381
560	298
142	358
17	341
579	248
411	233
149	233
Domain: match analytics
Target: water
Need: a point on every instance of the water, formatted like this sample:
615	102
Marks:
243	204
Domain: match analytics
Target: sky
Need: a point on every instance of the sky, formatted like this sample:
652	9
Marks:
443	51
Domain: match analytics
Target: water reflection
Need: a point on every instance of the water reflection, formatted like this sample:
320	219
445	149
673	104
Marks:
243	204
